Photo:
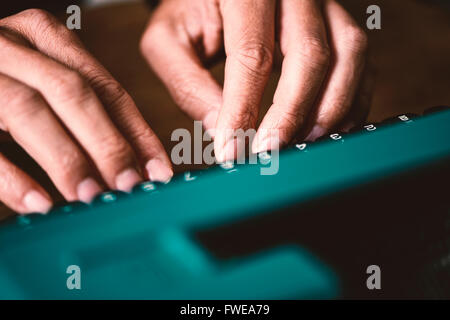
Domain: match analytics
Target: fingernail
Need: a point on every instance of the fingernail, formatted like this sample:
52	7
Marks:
265	145
88	189
36	202
266	140
127	179
256	144
316	132
158	171
228	152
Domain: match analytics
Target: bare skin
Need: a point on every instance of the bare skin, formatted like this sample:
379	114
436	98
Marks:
319	90
85	131
70	115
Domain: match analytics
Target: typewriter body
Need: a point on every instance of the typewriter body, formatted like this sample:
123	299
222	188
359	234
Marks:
378	196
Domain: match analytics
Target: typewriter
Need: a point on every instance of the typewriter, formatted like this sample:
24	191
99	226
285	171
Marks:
377	197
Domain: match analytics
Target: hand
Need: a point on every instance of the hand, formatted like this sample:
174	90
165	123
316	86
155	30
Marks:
324	60
70	115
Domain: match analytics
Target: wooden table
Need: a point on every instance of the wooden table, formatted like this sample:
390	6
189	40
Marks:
411	55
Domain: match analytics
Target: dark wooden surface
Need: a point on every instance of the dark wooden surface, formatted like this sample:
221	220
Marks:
411	55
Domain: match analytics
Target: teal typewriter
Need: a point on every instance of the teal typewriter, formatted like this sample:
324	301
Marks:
377	196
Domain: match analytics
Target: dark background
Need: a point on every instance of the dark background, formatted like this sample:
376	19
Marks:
411	56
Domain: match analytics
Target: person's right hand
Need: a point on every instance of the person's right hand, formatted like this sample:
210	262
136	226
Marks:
70	115
325	83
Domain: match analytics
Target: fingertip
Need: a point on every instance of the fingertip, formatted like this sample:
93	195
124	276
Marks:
220	140
87	190
36	202
260	142
159	171
316	132
267	141
127	179
227	151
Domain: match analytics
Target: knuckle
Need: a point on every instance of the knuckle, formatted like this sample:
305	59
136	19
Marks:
151	36
148	37
257	57
37	15
316	52
69	85
41	20
23	103
110	89
71	161
115	149
23	96
184	91
356	38
144	136
103	84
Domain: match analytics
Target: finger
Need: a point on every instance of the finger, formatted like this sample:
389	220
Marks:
171	54
20	192
77	106
304	44
121	107
249	35
349	45
32	124
362	103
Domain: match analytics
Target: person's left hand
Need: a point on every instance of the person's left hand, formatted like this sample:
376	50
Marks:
319	89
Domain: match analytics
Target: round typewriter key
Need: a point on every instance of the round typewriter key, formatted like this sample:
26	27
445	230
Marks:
108	197
335	137
146	187
370	127
407	117
24	221
70	207
302	147
67	208
402	118
189	176
264	157
232	171
227	165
